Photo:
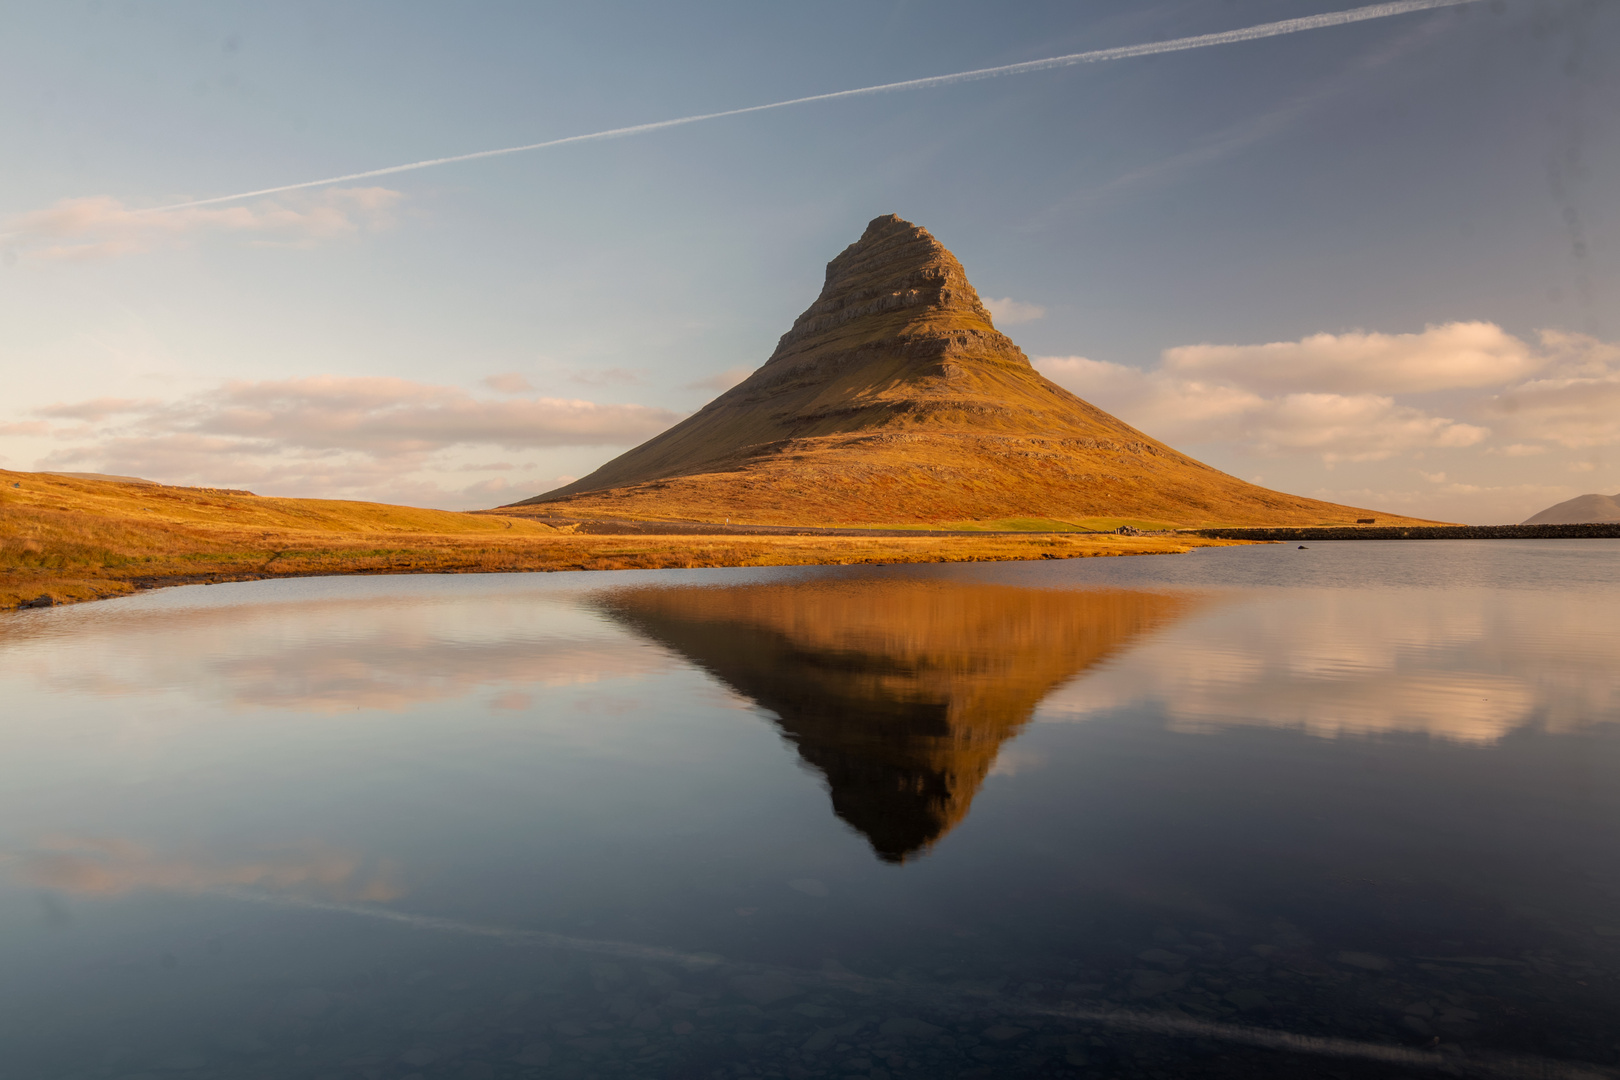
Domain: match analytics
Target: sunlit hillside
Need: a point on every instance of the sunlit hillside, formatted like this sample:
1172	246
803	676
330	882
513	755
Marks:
65	538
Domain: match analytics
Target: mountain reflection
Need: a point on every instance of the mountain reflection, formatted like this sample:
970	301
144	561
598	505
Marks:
900	693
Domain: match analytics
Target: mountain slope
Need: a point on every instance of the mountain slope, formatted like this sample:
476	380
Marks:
894	399
1578	511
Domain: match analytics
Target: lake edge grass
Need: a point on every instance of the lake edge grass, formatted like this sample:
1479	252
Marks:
71	539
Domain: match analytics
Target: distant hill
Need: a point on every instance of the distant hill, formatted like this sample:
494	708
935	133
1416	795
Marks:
1579	511
894	400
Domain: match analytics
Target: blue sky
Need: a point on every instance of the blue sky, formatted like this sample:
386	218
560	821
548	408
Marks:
1375	263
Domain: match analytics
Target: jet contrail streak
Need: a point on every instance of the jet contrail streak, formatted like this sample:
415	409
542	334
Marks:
962	998
1122	52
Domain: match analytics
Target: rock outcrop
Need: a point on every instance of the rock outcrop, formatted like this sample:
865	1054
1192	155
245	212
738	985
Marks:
894	399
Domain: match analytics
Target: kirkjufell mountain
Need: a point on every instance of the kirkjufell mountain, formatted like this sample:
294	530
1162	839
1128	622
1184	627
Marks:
894	399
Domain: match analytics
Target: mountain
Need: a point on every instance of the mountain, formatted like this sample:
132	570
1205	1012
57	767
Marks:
894	399
899	693
1578	511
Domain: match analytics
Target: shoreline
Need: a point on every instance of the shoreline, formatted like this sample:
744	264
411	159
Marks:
1602	530
326	556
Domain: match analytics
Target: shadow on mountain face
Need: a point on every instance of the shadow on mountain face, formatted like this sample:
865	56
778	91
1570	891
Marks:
899	693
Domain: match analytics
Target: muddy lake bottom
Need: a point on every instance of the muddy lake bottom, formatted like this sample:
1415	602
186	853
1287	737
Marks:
1344	811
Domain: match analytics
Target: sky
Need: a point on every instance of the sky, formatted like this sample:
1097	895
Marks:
1376	263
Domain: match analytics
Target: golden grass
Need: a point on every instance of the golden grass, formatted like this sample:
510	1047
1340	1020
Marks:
949	479
78	539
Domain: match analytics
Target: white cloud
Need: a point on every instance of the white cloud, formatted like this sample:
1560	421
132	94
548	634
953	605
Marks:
332	434
508	383
495	486
100	226
1336	393
1576	401
622	376
333	655
1446	357
27	427
109	866
392	416
1467	666
1010	312
1337	427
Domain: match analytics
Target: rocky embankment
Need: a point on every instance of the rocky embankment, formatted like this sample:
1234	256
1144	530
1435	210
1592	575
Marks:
1421	532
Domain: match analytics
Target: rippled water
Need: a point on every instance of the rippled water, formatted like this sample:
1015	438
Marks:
1350	811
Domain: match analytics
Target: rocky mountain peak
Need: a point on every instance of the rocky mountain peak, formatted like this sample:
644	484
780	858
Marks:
893	398
896	282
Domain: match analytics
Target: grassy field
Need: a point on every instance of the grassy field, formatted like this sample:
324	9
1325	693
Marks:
69	539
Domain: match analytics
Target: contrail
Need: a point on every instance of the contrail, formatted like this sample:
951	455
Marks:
1122	52
959	998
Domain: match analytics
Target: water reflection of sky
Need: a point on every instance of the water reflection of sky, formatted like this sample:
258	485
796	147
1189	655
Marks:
1188	788
1469	665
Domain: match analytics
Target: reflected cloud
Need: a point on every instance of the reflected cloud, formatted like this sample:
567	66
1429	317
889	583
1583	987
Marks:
335	655
899	693
99	866
1468	666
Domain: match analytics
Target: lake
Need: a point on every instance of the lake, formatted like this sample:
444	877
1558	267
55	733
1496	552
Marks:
1349	810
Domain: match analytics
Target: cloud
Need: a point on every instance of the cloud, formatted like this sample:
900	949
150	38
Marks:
1466	666
509	383
1451	500
93	410
99	866
621	376
100	226
1575	403
1337	427
329	433
331	656
722	381
495	485
1447	357
1010	312
386	416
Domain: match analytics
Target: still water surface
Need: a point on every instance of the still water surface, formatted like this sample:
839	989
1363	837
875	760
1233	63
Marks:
1346	811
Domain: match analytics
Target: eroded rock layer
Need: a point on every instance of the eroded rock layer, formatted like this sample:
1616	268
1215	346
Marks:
894	399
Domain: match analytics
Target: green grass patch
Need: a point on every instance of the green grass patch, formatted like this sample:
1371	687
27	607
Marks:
1017	524
1110	524
1056	525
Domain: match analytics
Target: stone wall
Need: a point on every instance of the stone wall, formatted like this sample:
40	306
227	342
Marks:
1420	532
